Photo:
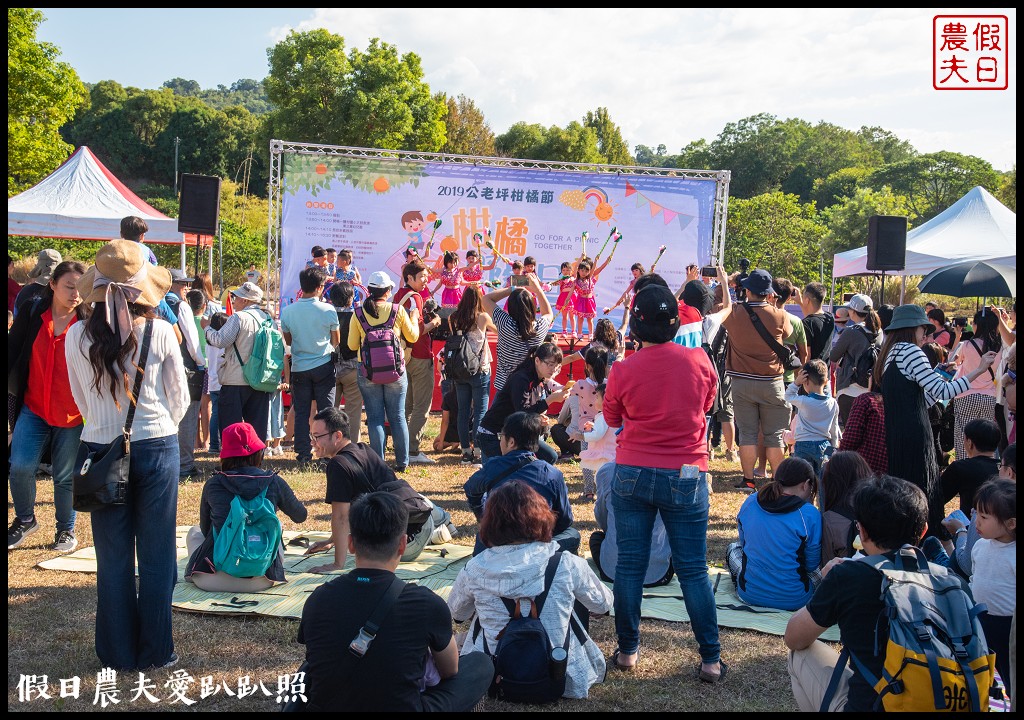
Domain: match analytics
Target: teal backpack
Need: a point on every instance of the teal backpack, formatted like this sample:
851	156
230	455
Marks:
249	539
265	366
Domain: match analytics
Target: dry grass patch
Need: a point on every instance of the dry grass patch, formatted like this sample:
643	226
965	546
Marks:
51	615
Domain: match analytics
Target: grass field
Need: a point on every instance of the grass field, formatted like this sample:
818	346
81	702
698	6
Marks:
51	614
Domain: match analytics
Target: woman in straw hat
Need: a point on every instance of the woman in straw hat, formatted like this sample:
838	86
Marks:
909	385
133	628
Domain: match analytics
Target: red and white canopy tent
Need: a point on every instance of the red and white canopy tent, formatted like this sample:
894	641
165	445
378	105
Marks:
83	200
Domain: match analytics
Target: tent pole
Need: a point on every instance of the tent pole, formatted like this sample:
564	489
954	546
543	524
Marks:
832	305
183	253
903	290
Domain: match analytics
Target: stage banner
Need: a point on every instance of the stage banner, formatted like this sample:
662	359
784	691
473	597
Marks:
377	208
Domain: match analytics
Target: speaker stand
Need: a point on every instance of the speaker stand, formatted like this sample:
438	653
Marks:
881	294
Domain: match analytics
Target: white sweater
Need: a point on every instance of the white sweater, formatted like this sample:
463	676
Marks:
517	571
163	398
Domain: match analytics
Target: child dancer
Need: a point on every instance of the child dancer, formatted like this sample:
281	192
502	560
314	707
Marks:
627	296
530	268
584	301
994	561
473	273
566	291
451	280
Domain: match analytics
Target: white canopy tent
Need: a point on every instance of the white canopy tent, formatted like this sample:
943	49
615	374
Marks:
83	200
975	227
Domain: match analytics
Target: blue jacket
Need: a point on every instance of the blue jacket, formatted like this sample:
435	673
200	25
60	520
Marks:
781	549
521	465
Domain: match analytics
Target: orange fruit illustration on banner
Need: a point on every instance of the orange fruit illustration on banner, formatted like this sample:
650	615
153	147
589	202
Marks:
448	243
381	185
431	217
321	169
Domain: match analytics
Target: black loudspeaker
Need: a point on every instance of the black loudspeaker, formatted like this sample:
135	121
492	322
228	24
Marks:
887	242
199	205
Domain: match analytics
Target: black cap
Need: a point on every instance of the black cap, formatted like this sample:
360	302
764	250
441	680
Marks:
698	296
758	282
654	315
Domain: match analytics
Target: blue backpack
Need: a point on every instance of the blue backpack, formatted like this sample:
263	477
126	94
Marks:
249	539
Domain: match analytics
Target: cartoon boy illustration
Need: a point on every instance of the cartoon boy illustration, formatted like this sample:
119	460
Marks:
413	223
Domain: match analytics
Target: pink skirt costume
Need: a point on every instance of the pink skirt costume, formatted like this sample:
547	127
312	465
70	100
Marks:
451	281
584	301
473	274
566	289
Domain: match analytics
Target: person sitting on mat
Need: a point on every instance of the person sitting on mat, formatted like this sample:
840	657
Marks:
241	474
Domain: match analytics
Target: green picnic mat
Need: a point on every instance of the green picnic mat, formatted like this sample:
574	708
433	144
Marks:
436	568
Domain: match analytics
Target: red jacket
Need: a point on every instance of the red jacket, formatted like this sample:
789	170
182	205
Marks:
660	397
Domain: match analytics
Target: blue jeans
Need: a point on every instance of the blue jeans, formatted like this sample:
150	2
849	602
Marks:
473	399
317	384
133	628
816	452
31	436
215	422
187	429
638	495
385	401
277	429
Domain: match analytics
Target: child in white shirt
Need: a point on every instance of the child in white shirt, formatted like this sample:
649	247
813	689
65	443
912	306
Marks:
994	562
600	448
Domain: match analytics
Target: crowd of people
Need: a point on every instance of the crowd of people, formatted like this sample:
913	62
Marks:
831	416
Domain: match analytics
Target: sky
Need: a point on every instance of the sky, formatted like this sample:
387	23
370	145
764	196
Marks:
667	77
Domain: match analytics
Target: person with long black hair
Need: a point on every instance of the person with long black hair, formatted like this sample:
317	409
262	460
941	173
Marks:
979	402
104	356
47	416
908	384
531	388
473	393
522	326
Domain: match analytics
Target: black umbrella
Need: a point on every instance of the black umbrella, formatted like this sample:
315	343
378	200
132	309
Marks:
974	278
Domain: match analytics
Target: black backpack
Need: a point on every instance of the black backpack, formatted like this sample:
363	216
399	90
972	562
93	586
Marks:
527	669
460	362
864	363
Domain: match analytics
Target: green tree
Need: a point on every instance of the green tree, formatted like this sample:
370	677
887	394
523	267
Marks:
933	182
308	75
824	149
646	157
847	221
204	143
387	103
697	155
370	99
609	137
522	140
890	148
775	232
574	143
838	186
42	95
1007	192
759	151
181	86
466	130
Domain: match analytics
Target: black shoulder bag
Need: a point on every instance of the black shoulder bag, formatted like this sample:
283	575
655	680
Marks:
787	357
101	476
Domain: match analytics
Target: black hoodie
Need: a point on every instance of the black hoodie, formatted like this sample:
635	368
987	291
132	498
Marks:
247	483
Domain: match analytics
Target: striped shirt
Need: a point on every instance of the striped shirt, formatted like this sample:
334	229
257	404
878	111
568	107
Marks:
913	364
512	350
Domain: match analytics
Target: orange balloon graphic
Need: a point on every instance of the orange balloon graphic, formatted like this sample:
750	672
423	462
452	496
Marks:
321	169
603	211
381	184
449	243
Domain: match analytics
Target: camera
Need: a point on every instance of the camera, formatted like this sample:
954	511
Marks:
520	281
744	265
709	271
960	321
429	309
741	292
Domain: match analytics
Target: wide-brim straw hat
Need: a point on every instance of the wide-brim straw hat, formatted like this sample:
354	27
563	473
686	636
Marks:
123	262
